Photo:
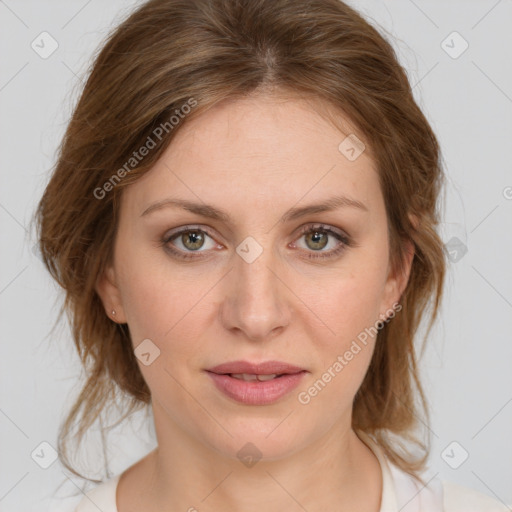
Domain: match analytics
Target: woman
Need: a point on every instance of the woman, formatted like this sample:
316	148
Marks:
243	216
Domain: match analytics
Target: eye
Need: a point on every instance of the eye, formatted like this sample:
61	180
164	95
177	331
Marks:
317	238
188	240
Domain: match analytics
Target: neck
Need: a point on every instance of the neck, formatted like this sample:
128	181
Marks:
336	472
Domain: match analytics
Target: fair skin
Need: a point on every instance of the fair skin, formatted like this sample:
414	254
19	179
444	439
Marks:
254	159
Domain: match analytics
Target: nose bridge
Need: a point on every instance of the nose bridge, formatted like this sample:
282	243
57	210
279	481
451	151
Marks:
256	300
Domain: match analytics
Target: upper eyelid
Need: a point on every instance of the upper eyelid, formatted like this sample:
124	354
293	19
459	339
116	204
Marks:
332	230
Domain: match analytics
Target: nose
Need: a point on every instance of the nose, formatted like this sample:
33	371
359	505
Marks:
255	304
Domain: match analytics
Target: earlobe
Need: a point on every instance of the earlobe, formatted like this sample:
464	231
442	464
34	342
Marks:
107	289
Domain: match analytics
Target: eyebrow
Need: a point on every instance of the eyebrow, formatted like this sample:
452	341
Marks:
211	212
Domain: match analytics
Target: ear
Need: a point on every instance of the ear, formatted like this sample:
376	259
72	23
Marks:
397	281
107	289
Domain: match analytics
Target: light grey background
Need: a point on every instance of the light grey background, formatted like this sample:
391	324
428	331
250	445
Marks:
467	366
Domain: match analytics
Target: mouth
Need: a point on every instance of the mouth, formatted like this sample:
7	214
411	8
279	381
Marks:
256	383
265	368
251	377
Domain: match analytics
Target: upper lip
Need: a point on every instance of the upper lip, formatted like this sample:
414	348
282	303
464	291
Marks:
263	368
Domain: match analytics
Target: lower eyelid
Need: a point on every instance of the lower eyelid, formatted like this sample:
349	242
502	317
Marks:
344	242
177	235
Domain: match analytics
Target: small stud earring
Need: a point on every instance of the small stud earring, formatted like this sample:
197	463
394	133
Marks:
113	312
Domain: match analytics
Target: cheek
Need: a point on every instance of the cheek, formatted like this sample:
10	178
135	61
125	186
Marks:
146	294
348	303
350	310
170	308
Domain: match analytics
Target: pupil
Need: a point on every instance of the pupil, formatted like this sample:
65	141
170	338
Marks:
315	236
194	238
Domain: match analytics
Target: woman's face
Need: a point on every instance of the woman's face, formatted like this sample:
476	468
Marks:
258	274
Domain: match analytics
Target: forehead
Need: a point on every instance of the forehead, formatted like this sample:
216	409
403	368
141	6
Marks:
260	152
265	128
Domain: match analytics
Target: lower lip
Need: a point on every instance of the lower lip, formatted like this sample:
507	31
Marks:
256	392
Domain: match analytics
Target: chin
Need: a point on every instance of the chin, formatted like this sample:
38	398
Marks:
258	438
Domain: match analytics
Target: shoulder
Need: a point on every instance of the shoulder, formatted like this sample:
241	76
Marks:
404	492
102	497
458	498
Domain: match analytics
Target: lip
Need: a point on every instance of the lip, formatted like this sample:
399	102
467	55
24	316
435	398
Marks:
256	392
263	368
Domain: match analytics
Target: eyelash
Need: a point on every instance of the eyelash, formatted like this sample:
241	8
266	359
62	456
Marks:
344	239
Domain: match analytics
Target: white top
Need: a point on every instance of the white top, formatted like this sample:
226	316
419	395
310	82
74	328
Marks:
400	492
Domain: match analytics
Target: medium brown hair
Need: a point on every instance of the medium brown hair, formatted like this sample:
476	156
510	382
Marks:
169	51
